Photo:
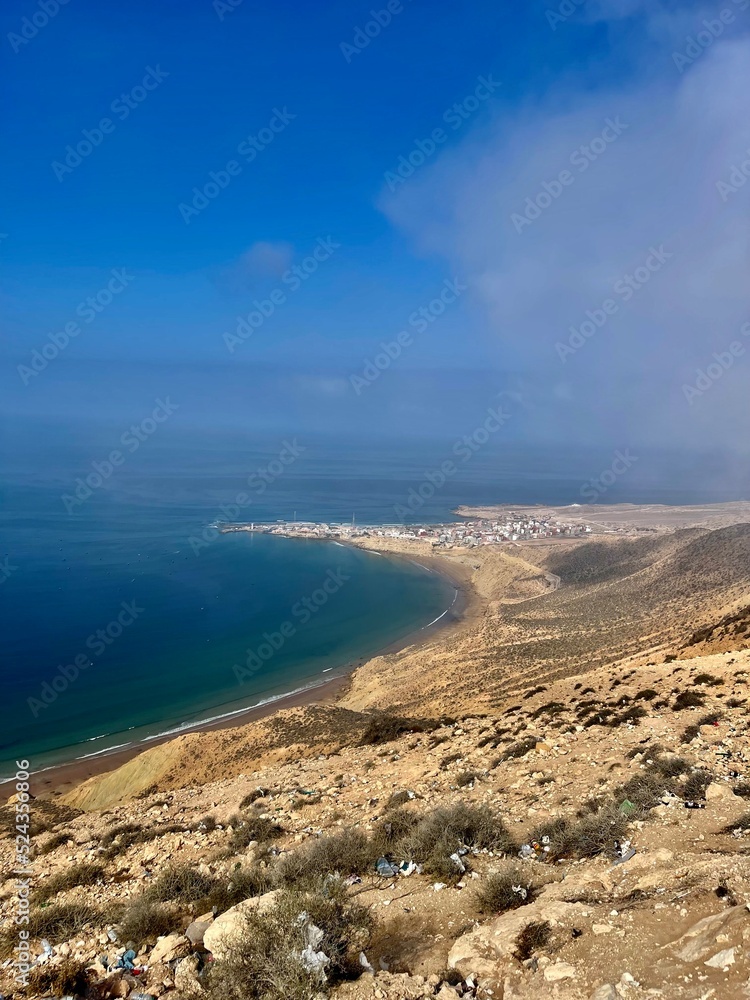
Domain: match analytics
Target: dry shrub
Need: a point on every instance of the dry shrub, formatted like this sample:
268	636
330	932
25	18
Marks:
587	837
496	893
443	831
181	883
61	921
532	938
84	873
265	961
249	829
144	921
61	978
383	727
348	853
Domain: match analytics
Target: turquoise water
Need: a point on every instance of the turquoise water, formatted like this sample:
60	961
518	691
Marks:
118	628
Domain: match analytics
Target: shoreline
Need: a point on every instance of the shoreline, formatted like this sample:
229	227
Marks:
57	779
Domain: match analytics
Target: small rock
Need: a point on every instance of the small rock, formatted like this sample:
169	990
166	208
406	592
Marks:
722	959
560	970
605	992
602	928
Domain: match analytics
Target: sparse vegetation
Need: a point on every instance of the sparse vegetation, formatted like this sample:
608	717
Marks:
532	939
65	977
519	749
84	873
383	727
264	962
143	921
688	699
61	921
497	894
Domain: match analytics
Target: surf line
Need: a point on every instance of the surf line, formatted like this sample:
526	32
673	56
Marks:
455	595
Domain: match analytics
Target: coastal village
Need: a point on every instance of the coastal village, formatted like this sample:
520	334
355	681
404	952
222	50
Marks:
462	534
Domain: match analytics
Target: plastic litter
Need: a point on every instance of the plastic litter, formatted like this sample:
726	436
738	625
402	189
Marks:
438	886
407	868
458	862
127	961
627	808
142	996
695	805
364	963
520	891
385	868
112	934
312	960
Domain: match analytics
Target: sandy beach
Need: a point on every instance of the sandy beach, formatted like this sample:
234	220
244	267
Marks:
466	606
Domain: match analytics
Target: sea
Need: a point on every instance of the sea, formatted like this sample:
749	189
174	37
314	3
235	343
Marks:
126	614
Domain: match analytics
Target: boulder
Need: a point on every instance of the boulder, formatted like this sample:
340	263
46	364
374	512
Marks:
196	931
486	946
229	927
699	943
186	979
169	948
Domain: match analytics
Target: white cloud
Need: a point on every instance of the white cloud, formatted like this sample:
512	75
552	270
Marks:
654	185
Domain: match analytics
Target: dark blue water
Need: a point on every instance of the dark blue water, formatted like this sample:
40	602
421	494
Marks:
125	615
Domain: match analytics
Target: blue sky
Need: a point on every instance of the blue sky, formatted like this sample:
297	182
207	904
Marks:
344	119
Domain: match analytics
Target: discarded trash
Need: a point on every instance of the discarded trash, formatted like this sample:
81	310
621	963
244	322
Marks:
438	886
127	961
364	963
142	996
695	805
627	808
312	960
535	849
458	862
520	891
352	880
408	868
527	851
385	868
111	934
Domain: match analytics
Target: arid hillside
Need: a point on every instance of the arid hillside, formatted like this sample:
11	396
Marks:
549	801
